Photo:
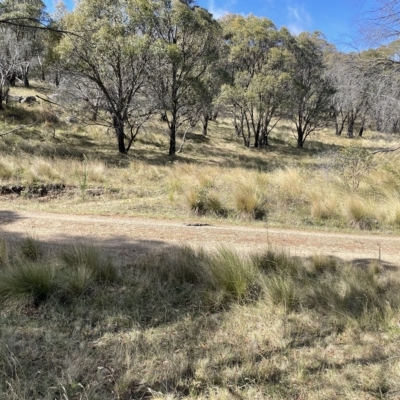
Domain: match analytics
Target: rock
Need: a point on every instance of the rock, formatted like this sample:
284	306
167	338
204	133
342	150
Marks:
71	120
28	99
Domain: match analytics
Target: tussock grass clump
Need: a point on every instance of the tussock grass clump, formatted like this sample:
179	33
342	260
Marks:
182	266
231	273
359	213
325	208
249	201
27	280
290	183
276	261
31	248
6	171
43	170
204	200
322	263
4	253
88	262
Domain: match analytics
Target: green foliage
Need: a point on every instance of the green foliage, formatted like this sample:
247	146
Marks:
257	94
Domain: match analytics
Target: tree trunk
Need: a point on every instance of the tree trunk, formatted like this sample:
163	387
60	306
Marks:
205	124
57	79
360	133
172	140
300	137
350	124
257	138
350	128
118	124
339	126
264	139
25	73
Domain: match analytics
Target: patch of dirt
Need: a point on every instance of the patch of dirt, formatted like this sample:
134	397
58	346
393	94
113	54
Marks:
128	238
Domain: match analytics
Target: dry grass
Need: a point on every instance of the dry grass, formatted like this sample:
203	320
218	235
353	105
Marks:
325	185
186	324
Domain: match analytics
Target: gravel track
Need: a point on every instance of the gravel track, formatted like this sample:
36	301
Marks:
129	237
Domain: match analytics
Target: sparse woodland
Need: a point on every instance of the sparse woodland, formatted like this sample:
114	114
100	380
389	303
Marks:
153	108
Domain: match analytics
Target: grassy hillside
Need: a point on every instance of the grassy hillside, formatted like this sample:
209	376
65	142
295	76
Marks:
183	323
333	183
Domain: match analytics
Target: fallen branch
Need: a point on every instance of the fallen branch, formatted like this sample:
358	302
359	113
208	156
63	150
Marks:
48	101
386	150
17	128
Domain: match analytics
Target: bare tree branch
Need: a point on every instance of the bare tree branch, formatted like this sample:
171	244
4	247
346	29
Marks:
17	129
385	151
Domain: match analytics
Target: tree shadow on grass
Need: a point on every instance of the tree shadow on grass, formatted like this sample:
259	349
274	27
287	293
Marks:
8	217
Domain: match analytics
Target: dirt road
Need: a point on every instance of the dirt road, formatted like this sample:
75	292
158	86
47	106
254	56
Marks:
127	237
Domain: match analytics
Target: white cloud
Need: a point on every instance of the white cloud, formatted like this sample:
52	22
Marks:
299	20
216	11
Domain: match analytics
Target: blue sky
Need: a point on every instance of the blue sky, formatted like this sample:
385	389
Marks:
336	19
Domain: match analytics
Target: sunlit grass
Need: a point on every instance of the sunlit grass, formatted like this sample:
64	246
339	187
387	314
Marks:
213	178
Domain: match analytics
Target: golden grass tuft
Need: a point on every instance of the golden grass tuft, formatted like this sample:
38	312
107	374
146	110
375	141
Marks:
6	170
360	214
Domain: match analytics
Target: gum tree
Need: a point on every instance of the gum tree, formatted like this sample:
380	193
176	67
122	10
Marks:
259	83
310	89
107	63
187	43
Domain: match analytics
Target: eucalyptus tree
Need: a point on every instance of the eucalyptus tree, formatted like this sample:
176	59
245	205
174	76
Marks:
351	100
187	44
20	44
107	64
259	86
310	88
383	71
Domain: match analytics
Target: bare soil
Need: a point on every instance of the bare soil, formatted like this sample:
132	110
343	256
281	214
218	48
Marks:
127	238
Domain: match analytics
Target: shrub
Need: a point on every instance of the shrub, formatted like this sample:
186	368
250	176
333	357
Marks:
354	164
